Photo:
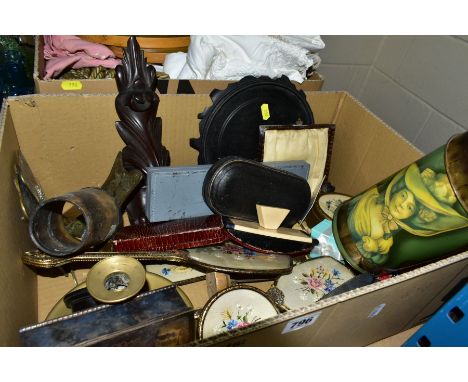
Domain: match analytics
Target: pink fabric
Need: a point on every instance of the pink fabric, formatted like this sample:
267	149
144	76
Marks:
61	52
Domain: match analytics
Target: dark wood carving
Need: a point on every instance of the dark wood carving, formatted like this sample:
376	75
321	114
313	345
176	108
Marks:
140	129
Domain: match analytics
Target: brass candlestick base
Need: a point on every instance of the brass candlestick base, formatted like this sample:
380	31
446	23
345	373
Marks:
116	279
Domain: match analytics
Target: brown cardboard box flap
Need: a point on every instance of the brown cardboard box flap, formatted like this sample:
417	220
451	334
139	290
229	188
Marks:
372	312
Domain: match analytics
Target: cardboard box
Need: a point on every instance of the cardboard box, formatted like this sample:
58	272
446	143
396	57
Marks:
70	142
108	86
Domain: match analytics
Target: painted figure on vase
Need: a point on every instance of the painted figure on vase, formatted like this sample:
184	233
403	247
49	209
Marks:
419	202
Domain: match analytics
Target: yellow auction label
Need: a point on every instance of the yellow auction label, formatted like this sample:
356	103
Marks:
265	111
71	85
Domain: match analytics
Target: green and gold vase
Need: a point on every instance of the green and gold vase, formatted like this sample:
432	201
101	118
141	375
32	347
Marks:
418	215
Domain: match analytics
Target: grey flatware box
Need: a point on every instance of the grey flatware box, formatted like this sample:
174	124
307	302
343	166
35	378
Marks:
176	192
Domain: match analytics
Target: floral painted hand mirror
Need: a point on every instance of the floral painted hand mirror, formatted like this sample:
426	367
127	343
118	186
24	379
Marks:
311	280
233	308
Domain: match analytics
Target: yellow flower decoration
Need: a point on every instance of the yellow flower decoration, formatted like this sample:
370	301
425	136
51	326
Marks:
181	269
227	315
389	223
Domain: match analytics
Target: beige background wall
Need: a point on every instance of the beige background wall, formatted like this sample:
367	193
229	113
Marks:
417	84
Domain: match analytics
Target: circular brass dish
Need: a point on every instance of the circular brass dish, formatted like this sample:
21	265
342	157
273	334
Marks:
153	282
116	279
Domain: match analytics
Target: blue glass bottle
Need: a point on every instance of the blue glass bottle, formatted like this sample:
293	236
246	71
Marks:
15	76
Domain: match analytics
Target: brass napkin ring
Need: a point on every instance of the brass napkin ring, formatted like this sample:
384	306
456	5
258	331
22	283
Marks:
93	218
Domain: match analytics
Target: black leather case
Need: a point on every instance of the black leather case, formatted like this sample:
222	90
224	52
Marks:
233	186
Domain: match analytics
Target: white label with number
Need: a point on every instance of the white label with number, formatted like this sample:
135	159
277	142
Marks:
301	322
